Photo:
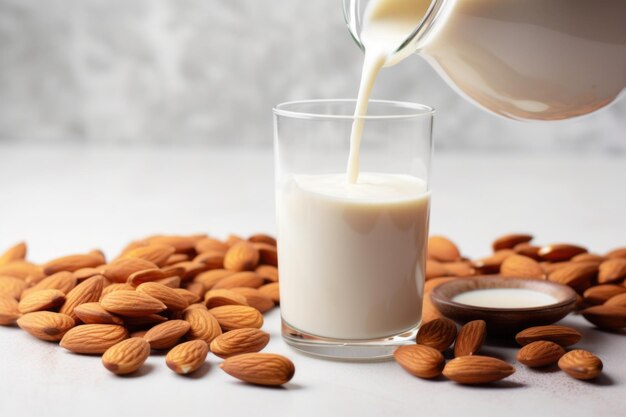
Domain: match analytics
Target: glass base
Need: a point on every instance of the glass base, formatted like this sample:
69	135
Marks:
347	350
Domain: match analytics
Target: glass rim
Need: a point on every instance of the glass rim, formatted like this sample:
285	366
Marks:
418	110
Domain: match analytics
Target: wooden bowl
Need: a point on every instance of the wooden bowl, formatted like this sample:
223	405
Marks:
503	321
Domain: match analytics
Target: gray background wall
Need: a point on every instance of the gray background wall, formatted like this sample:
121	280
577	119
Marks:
208	72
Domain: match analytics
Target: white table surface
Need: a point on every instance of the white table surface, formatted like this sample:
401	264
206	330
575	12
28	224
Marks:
64	200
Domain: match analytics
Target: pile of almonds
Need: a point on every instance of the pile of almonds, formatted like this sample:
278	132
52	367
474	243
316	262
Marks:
598	279
188	295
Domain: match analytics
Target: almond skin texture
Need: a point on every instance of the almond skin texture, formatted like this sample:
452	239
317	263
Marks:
612	270
262	238
419	360
606	316
438	334
94	313
209	278
268	272
529	250
476	369
189	296
212	259
137	278
223	297
242	256
187	357
41	300
131	303
268	255
126	356
272	290
11	287
9	311
167	334
172	300
14	253
576	274
561	335
46	325
86	292
210	244
617	253
581	364
237	317
442	249
240	279
470	338
540	353
489	265
203	325
559	252
617	301
22	269
115	287
510	241
522	267
63	281
72	263
256	298
120	269
602	293
260	368
93	339
237	342
157	254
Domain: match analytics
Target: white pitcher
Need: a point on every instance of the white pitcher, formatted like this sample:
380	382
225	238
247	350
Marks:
523	59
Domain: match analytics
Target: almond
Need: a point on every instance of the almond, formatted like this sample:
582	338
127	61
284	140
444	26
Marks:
93	338
72	263
476	369
435	269
196	288
41	300
438	334
520	266
237	317
617	301
558	252
120	269
203	324
131	303
157	254
510	241
602	293
9	311
268	272
115	287
191	268
429	311
212	259
167	334
209	278
239	341
63	281
172	300
14	253
211	245
420	360
581	364
612	270
268	255
187	357
562	335
126	356
272	290
176	258
470	338
459	269
240	279
181	244
617	253
86	292
489	265
137	278
23	270
232	239
143	321
242	256
223	297
442	249
577	275
588	257
171	282
189	296
11	287
540	353
94	313
46	325
262	238
529	250
260	368
606	316
255	298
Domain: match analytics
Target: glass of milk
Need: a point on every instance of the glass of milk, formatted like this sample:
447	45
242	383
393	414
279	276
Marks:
351	255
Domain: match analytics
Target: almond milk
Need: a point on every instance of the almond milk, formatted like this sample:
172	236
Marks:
505	298
351	255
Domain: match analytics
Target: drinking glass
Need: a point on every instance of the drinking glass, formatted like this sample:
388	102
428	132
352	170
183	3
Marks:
351	262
